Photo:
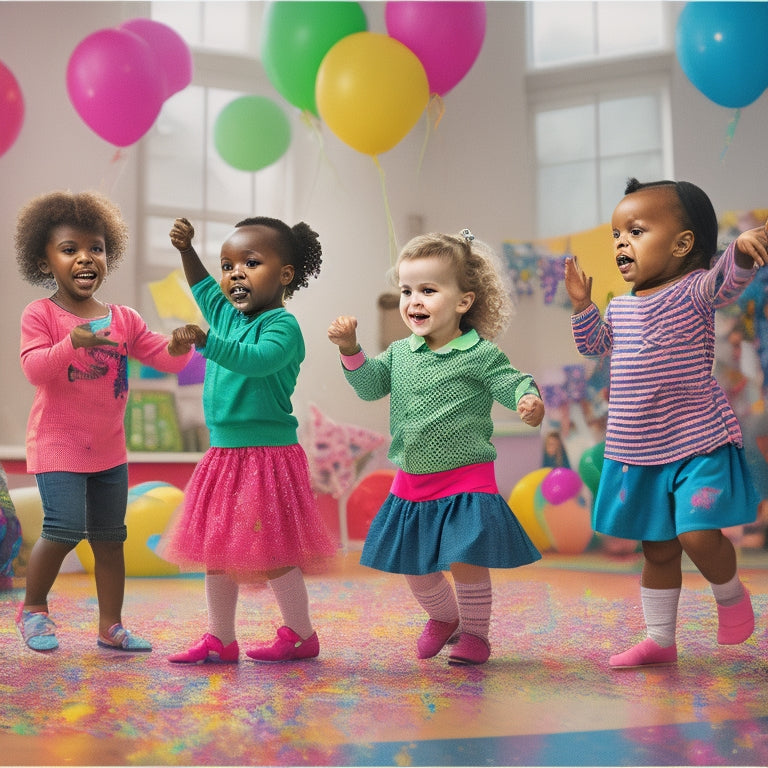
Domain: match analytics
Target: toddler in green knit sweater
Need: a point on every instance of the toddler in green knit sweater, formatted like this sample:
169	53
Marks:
444	511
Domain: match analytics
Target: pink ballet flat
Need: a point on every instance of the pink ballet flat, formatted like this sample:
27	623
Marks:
646	654
737	622
470	649
435	635
210	648
288	646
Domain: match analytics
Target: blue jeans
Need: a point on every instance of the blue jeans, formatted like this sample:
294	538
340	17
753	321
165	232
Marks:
84	505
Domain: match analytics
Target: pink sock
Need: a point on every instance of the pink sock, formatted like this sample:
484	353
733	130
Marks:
221	595
475	607
290	591
435	595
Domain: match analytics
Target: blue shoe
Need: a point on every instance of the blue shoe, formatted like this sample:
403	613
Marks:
120	639
36	630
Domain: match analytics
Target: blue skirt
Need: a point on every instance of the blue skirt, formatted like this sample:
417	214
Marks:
659	502
419	537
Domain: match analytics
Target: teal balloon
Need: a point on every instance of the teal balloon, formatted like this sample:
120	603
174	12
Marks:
591	465
251	133
295	36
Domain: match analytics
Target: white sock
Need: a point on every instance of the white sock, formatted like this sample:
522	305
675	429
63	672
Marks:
729	593
221	595
434	594
290	591
660	611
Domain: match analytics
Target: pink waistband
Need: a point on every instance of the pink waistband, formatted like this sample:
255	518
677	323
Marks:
474	478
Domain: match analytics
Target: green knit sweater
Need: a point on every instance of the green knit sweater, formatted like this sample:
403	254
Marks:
251	371
440	402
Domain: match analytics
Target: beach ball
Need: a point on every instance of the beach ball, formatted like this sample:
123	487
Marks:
150	508
522	502
568	526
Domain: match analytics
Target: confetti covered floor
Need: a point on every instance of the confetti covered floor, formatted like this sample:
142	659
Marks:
546	697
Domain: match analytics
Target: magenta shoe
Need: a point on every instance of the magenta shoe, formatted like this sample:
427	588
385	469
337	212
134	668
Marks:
210	648
646	654
737	622
470	649
435	635
288	646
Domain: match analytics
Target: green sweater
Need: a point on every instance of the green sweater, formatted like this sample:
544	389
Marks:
251	371
440	402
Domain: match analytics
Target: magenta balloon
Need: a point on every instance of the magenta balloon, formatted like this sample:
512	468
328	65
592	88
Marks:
172	53
114	85
445	36
11	109
560	485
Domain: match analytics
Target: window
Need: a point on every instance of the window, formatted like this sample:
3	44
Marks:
566	32
599	106
182	173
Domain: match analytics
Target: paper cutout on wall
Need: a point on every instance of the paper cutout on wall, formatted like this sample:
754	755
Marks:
173	299
194	371
544	260
337	452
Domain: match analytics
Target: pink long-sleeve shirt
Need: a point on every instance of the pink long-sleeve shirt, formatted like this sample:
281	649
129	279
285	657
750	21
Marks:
664	402
76	423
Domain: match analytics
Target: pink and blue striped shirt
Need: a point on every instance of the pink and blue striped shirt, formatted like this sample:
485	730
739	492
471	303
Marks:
664	403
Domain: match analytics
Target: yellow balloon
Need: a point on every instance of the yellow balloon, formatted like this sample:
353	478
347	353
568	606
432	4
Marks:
29	510
521	501
371	90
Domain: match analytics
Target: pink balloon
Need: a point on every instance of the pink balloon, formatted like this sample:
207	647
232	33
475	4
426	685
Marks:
113	84
445	36
11	109
560	485
170	50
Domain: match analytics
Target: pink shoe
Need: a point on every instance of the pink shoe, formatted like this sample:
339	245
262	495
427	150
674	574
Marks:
288	646
435	635
646	654
737	622
210	648
470	649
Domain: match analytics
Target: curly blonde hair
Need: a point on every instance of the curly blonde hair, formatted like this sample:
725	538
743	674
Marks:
88	211
477	270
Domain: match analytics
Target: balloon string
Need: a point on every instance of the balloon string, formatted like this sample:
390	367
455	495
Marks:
390	225
434	111
730	132
315	128
116	167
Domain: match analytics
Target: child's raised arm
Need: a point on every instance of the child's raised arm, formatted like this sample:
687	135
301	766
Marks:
343	333
752	247
578	285
181	234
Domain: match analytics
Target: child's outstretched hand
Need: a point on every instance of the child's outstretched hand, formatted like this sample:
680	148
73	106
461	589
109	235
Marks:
753	244
531	410
578	285
343	333
83	336
182	233
184	338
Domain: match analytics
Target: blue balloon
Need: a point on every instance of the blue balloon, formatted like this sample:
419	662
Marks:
721	49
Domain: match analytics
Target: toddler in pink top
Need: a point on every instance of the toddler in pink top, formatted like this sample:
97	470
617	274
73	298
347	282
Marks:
75	350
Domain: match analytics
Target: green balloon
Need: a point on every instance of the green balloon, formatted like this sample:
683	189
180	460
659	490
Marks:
251	133
295	38
591	465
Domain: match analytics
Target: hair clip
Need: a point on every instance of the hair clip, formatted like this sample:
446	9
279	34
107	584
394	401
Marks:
467	235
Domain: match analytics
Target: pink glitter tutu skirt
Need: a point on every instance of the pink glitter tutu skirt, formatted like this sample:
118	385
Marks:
249	510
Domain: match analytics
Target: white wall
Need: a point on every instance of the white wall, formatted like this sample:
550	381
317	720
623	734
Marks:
476	171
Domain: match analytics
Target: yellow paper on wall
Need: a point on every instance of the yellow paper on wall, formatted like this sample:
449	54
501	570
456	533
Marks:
594	250
173	299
